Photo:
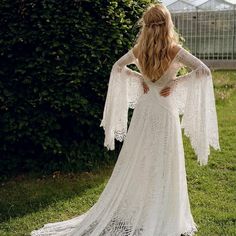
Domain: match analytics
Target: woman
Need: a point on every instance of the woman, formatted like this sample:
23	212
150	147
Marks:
147	194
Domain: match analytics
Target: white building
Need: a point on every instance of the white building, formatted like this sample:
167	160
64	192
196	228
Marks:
208	28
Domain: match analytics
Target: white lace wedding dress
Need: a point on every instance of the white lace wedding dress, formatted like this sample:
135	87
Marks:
147	193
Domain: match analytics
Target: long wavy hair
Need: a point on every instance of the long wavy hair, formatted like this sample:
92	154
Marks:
155	40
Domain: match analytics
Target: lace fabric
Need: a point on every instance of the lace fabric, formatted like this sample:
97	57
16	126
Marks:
194	96
147	194
124	90
198	106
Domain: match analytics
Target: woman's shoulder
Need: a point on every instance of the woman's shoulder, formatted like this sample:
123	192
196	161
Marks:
176	48
135	50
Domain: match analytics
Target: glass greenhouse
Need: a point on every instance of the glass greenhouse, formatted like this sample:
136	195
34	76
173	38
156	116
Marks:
208	28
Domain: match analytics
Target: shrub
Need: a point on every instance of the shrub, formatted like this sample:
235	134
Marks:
56	57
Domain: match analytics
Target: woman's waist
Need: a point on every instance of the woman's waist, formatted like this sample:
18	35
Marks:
168	102
156	89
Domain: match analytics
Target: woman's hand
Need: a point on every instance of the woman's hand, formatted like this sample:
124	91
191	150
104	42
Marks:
165	91
145	87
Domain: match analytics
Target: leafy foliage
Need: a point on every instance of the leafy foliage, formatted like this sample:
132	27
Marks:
55	63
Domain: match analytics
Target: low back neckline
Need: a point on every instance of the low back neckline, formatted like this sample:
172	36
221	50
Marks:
173	60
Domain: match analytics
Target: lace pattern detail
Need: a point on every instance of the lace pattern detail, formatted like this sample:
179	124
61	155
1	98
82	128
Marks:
146	194
198	107
124	91
194	98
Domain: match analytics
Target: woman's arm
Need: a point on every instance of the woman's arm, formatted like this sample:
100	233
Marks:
124	91
121	65
198	69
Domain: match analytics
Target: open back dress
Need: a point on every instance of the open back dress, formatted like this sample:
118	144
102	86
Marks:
147	193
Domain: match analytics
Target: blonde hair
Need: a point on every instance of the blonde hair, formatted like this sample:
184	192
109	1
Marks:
155	40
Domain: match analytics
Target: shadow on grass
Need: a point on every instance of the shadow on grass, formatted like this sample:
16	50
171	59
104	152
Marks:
27	195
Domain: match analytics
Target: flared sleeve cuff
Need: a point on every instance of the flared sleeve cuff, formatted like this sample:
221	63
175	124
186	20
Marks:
194	94
196	98
124	90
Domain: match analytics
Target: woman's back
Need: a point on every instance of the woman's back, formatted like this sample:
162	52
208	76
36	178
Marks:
174	50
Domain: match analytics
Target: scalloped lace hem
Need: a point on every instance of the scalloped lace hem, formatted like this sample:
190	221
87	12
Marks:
67	230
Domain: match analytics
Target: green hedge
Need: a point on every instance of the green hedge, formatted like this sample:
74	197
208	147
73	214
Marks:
56	58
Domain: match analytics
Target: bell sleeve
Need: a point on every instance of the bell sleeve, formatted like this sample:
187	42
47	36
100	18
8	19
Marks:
196	102
124	90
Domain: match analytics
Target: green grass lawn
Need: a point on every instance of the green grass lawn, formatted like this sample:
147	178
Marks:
27	202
